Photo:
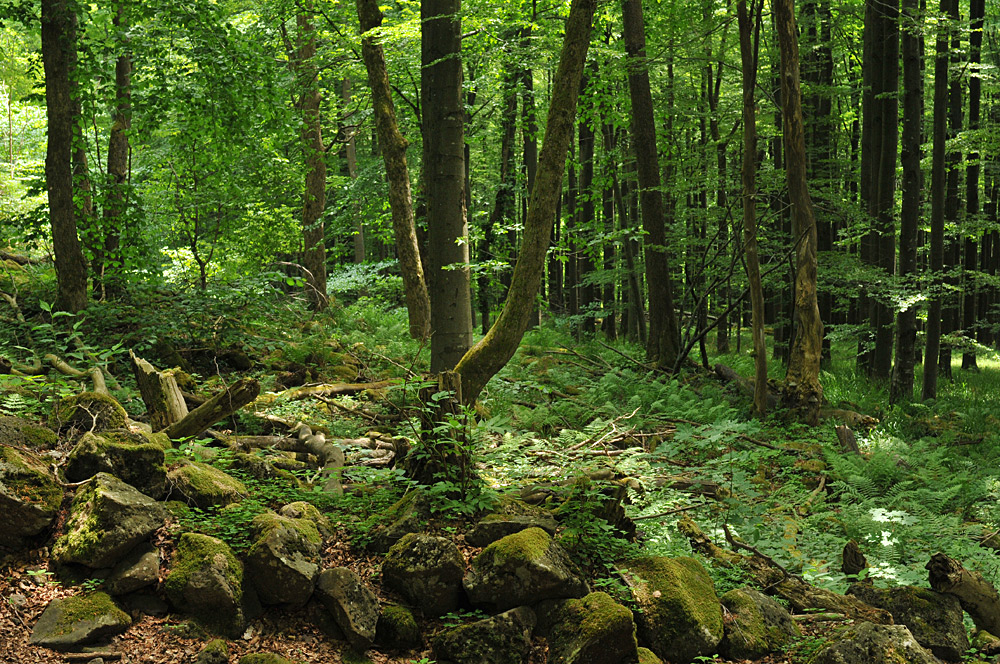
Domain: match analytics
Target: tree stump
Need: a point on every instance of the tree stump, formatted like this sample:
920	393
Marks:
978	596
164	401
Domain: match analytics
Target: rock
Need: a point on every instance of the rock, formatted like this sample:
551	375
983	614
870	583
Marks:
259	468
397	628
427	571
135	458
71	622
107	519
496	526
304	510
934	619
501	639
983	641
404	517
264	658
215	651
19	432
523	568
867	643
647	656
757	626
679	616
29	497
142	604
353	605
284	559
592	630
206	581
203	486
139	569
89	411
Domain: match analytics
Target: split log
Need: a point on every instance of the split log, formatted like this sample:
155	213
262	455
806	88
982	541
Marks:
334	389
977	596
773	578
848	441
159	390
218	407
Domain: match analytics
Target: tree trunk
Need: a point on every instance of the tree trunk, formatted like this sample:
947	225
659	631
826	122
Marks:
585	225
609	325
977	10
59	58
351	167
490	355
663	339
803	391
220	406
393	147
950	308
116	201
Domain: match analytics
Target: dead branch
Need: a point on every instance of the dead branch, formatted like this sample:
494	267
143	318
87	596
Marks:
306	391
216	408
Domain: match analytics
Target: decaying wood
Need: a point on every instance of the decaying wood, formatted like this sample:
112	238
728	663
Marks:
306	391
216	408
854	560
849	417
17	258
33	369
848	441
978	596
94	373
745	385
159	390
771	578
329	455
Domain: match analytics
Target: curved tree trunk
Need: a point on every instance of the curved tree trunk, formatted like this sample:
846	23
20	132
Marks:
490	355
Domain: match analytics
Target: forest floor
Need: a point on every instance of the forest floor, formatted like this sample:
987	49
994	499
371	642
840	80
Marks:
928	478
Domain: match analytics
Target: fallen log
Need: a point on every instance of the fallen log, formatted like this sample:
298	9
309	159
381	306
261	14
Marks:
218	407
327	390
773	578
19	259
164	401
977	596
745	385
329	455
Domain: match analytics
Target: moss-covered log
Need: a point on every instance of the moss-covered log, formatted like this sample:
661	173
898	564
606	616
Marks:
218	407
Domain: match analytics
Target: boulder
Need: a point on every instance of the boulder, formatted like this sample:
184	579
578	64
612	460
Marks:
265	658
71	622
215	651
647	656
757	625
501	639
592	630
19	432
29	496
868	643
353	605
133	457
257	467
934	619
406	516
107	519
496	526
204	486
284	559
89	411
139	569
397	628
304	510
523	568
427	571
679	615
206	582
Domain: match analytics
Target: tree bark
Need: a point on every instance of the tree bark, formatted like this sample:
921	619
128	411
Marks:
164	401
663	339
393	147
803	391
977	10
490	355
585	224
953	157
59	58
220	406
978	596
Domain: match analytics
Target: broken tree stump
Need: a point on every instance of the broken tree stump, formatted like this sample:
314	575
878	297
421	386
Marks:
159	390
218	407
848	441
977	596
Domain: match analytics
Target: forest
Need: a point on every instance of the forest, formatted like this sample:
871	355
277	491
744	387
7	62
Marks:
548	331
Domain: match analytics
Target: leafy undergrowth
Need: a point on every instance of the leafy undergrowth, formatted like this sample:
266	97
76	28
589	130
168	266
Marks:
928	479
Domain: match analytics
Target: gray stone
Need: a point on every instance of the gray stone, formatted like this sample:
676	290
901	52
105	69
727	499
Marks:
107	519
142	604
427	571
501	639
592	630
138	569
135	458
19	432
214	652
205	486
71	622
29	497
757	625
406	516
496	526
523	568
397	628
867	643
206	581
353	605
284	559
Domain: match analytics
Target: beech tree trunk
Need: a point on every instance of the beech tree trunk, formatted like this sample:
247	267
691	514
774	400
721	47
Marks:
490	355
59	59
115	202
393	146
977	9
803	391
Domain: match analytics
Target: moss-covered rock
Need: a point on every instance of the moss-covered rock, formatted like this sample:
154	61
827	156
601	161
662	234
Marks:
29	496
592	630
680	617
204	486
757	626
107	519
71	622
868	643
206	582
647	656
352	604
134	457
19	432
89	411
303	510
284	559
524	568
406	516
427	571
215	651
265	658
397	628
934	619
501	639
511	516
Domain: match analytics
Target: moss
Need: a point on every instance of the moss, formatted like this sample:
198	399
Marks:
216	646
397	628
91	411
303	510
88	607
26	478
205	486
526	545
131	457
193	550
264	524
264	658
647	656
22	433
